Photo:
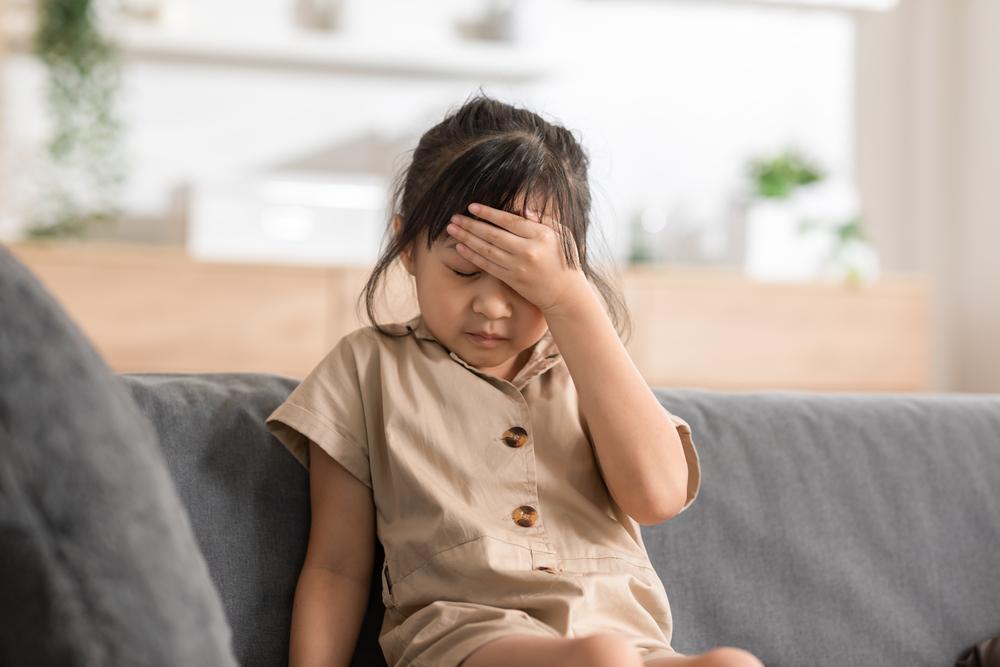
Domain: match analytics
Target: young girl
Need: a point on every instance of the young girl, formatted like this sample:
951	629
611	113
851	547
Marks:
500	445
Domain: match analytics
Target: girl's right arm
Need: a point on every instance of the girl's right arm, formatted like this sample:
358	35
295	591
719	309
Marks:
333	587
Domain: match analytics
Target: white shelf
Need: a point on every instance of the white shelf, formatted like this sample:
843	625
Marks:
866	5
307	50
839	5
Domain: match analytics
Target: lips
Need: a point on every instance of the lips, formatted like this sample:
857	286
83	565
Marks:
487	336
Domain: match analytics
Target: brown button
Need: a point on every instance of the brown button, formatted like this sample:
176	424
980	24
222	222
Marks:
525	515
515	436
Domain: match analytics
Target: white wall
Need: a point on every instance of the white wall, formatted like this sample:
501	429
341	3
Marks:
978	335
670	100
929	165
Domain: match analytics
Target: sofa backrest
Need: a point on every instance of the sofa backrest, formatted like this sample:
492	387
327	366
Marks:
837	529
248	500
830	528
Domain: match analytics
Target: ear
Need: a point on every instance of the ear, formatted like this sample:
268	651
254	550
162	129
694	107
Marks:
406	256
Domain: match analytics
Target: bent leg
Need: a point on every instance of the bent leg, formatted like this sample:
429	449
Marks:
521	650
724	656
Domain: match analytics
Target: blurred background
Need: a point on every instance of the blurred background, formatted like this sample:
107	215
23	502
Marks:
798	194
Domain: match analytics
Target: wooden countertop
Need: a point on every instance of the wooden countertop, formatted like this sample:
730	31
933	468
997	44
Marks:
155	309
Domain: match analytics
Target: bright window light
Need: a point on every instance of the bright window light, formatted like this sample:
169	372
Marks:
878	5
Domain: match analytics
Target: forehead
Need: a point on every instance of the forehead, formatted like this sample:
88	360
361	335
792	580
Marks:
443	249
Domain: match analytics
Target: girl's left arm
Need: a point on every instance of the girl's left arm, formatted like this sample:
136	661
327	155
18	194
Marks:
639	448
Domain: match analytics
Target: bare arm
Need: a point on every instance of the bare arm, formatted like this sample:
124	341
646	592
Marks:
333	588
639	450
638	447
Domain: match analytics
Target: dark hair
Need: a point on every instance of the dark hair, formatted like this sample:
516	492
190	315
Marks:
491	152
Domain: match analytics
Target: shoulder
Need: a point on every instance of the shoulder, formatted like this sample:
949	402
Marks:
381	335
371	342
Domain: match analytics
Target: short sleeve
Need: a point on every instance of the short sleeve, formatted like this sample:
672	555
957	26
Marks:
327	407
687	444
691	456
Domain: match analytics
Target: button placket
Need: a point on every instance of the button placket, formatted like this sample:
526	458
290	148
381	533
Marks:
528	515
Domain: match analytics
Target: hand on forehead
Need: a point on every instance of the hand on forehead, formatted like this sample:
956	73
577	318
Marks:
530	214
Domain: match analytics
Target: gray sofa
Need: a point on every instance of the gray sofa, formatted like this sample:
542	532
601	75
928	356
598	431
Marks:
152	519
830	529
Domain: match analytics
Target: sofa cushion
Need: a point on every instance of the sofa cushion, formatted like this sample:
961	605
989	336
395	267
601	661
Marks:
248	499
99	563
830	528
837	528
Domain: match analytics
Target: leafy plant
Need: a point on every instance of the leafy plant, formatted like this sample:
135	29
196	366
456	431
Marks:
85	170
777	177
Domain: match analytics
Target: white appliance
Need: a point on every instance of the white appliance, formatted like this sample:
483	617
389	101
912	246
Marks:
289	218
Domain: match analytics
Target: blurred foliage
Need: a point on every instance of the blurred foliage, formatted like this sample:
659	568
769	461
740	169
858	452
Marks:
777	177
845	232
639	251
85	171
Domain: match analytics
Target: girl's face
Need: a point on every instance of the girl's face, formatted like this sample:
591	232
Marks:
454	307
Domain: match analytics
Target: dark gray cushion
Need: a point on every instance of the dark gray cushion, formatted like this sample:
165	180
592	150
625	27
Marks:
248	499
99	564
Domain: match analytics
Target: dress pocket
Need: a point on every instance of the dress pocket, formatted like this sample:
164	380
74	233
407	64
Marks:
388	599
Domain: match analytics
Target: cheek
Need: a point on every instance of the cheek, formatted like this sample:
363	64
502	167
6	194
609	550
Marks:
442	296
532	321
530	312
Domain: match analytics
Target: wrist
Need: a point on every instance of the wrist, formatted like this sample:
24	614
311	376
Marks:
577	295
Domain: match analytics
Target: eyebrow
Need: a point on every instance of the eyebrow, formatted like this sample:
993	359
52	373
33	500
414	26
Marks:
450	245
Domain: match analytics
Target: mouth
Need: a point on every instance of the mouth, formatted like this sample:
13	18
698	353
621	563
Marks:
486	340
487	335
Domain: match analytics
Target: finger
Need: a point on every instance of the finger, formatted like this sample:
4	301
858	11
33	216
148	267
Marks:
482	262
498	236
548	220
535	215
498	256
512	222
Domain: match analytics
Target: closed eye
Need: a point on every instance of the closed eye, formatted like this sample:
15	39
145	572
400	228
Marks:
465	275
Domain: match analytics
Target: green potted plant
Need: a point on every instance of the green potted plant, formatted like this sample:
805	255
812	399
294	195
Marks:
84	171
802	226
777	177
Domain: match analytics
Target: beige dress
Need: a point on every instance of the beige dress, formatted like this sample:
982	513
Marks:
490	503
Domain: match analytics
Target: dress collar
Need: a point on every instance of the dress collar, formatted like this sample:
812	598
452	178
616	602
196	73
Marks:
544	355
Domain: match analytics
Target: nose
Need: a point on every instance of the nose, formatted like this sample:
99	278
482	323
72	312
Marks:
494	298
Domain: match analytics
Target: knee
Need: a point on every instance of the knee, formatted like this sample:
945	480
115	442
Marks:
730	656
604	649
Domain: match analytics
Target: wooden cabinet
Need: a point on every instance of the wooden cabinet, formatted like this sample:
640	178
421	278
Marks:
702	328
153	309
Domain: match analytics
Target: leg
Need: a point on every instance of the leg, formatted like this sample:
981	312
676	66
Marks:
597	650
724	656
